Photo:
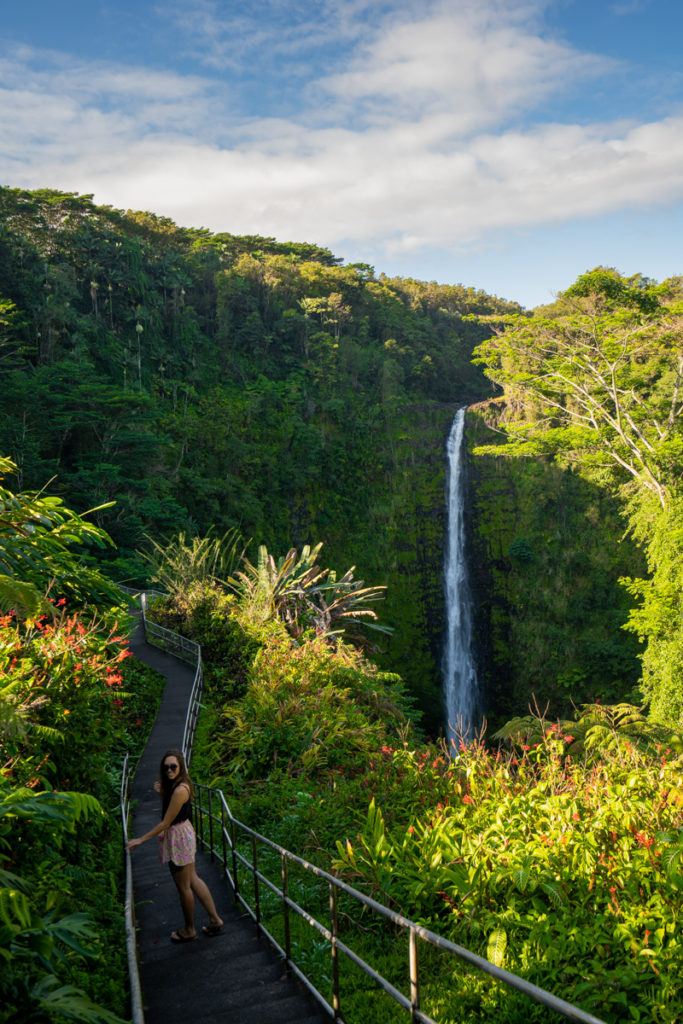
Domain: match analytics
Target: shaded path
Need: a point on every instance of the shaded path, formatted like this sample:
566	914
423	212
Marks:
234	978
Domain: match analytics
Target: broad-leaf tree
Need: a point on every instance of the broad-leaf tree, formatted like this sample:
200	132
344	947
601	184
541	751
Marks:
603	372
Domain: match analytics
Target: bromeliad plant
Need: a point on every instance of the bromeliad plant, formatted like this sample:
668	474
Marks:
303	596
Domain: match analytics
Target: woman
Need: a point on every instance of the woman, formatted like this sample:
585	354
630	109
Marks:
178	845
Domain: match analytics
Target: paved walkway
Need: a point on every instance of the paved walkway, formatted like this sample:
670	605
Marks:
234	978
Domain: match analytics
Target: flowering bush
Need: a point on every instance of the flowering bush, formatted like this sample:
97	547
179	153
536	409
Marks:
62	688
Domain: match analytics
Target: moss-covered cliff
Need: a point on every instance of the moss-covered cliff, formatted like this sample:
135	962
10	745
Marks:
548	550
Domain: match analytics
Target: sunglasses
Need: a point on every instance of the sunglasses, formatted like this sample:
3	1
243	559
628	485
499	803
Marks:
171	767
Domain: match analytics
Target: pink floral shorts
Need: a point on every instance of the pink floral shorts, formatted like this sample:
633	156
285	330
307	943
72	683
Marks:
178	844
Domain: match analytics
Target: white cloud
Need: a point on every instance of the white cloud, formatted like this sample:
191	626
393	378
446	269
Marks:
629	7
478	62
417	141
271	29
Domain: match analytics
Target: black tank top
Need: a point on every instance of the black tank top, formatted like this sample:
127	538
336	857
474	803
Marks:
185	812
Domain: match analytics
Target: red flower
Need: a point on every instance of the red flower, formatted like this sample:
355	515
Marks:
61	602
467	799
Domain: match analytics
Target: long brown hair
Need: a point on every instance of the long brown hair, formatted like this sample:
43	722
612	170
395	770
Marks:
167	786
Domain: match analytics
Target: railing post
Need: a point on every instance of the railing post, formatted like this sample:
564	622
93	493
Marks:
334	953
211	827
235	862
200	814
257	894
223	843
284	874
413	968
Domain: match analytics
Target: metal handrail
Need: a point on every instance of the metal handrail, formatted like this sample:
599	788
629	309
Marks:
186	650
225	848
129	903
137	1012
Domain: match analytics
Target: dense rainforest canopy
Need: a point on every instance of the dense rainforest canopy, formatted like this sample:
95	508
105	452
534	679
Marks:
218	401
176	379
212	381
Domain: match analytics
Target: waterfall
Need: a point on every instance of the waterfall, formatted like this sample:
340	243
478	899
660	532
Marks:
459	671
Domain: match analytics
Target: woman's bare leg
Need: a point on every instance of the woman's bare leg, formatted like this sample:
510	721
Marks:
203	894
183	881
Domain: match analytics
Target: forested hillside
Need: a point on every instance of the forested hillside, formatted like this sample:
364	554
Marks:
211	381
202	381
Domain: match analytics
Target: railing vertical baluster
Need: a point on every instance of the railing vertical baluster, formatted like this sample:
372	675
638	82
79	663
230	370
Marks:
257	893
200	814
211	826
335	953
413	967
223	842
235	862
284	874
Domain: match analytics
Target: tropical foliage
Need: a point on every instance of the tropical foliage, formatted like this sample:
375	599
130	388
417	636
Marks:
597	379
555	850
304	596
70	705
221	387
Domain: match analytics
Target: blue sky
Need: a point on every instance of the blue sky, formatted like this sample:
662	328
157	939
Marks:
504	144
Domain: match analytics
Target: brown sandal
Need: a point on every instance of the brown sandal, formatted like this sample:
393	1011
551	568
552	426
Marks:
212	929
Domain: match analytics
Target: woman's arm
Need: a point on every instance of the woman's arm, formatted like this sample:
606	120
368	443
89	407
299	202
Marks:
180	796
